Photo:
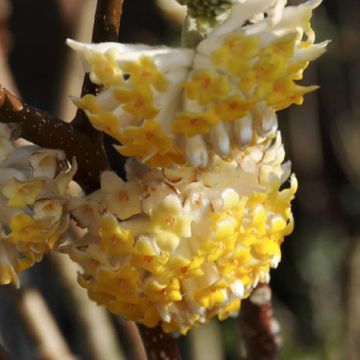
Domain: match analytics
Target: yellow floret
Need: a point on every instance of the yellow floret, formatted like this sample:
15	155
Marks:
106	122
191	124
105	68
114	240
206	87
139	102
22	193
144	72
233	108
149	143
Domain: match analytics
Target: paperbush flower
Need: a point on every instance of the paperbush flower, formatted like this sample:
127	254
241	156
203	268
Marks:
203	212
196	241
222	95
32	204
200	218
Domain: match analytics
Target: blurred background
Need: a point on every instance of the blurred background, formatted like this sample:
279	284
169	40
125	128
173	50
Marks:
317	285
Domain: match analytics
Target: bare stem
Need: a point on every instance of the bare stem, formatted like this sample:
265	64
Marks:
45	130
159	345
261	332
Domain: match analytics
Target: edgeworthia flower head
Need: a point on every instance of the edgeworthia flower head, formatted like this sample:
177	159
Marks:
170	106
201	217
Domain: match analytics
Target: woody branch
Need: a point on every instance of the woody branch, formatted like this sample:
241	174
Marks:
260	331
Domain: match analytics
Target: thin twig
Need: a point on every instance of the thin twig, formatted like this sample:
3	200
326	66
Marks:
261	332
158	345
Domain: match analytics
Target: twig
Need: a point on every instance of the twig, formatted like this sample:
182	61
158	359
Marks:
158	345
261	332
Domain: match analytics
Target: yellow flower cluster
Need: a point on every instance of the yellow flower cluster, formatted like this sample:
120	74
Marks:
32	197
178	245
201	217
139	88
166	105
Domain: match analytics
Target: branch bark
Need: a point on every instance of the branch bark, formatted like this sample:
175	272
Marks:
45	130
261	332
158	345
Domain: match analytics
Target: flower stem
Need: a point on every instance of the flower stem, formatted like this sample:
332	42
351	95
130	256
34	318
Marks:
261	332
159	345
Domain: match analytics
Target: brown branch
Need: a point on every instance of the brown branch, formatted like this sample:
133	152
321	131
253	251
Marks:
261	332
107	20
159	345
46	130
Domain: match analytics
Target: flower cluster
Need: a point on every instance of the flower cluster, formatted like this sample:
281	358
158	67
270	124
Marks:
202	215
170	106
33	182
180	245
